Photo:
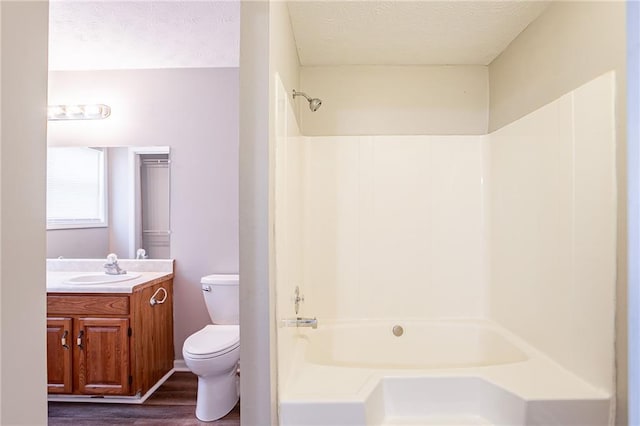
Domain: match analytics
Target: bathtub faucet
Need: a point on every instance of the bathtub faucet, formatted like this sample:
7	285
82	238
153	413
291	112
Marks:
300	322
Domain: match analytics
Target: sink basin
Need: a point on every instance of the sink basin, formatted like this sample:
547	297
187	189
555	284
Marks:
101	278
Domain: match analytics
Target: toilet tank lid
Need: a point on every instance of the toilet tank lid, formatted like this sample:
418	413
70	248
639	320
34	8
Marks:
221	279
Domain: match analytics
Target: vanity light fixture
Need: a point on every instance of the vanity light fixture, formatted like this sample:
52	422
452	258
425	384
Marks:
78	112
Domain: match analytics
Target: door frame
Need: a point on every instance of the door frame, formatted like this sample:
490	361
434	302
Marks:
134	215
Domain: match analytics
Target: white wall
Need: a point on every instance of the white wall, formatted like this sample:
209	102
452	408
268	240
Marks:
553	229
195	113
90	243
289	190
388	221
120	181
283	127
395	100
267	48
23	34
555	54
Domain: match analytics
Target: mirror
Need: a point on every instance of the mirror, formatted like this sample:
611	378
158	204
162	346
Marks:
108	200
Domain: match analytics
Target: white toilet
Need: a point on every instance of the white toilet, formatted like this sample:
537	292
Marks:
213	352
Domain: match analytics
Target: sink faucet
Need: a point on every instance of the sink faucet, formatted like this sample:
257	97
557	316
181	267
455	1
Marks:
112	267
300	322
141	254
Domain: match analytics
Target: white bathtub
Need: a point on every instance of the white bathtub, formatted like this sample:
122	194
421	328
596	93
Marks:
422	345
435	373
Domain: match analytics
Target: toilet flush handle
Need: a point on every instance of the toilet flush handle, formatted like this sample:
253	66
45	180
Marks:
206	287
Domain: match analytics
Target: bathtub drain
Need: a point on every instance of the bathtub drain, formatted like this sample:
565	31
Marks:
397	330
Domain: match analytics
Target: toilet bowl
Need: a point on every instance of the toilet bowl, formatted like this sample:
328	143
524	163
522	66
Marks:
213	352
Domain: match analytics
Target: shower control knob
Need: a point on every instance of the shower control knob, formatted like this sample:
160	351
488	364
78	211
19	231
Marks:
297	299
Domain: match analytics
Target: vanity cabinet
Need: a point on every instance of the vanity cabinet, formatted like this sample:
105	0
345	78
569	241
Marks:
110	343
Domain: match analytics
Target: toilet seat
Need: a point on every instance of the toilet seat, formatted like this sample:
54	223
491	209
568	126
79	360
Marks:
212	341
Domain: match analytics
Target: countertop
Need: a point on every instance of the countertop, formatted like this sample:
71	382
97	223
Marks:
56	283
61	270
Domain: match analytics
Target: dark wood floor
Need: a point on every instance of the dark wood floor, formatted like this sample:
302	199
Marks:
174	403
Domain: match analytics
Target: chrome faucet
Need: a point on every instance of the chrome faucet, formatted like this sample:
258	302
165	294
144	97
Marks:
300	322
112	267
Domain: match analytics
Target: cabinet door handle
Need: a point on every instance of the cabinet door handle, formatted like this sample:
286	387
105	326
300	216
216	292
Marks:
79	339
64	339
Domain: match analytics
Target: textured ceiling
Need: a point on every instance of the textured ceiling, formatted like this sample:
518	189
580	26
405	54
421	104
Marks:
89	35
105	34
407	32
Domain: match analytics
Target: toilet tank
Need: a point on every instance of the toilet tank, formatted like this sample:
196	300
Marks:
221	295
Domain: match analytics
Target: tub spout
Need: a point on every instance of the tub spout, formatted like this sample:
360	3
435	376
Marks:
300	322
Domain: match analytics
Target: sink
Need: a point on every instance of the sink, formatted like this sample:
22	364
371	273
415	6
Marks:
100	278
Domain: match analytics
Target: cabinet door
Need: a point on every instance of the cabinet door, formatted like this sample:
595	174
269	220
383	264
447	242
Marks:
59	341
102	347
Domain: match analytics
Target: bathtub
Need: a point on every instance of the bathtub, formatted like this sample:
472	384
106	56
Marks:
421	345
457	372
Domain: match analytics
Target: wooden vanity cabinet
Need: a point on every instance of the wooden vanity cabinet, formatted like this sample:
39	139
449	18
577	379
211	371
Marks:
109	343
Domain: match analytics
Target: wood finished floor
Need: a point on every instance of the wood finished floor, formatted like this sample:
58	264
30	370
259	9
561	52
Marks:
174	403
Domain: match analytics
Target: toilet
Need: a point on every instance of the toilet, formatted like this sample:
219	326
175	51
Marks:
213	353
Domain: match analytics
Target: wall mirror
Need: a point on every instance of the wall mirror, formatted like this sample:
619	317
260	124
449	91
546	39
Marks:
108	200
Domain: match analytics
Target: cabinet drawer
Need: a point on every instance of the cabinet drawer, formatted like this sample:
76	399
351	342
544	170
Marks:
91	305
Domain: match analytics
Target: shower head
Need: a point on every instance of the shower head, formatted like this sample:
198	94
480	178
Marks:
314	103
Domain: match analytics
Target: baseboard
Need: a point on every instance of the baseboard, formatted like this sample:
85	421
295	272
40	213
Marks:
136	399
179	365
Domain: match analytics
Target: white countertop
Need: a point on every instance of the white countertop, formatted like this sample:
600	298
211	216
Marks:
56	283
61	270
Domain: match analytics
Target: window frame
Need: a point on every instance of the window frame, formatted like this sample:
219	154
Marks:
69	223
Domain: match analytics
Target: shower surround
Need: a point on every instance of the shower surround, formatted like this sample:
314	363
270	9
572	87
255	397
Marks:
512	232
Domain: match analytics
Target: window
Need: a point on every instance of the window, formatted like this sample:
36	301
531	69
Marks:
76	188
